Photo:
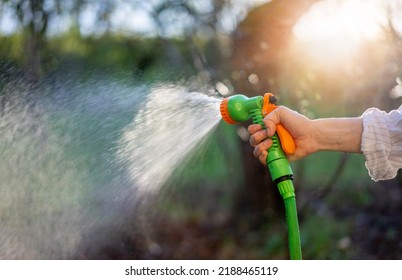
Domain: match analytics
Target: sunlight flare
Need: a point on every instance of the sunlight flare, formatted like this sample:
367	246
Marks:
335	29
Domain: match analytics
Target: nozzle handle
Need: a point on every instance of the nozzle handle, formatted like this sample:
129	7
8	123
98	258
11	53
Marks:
287	142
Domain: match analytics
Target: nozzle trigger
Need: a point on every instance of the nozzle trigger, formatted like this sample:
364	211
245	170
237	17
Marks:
273	99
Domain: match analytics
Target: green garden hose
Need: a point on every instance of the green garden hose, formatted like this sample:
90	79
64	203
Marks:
240	108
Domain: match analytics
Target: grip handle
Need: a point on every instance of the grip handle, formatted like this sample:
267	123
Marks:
287	142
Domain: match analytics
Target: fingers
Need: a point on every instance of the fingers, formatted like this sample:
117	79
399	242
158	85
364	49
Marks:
253	128
258	137
263	158
257	134
260	150
272	120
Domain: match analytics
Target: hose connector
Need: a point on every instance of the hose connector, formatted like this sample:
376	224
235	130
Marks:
286	190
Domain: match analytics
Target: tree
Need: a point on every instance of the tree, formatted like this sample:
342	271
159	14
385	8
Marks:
261	41
259	44
197	24
34	18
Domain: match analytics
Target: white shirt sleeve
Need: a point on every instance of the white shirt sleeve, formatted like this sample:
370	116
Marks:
382	142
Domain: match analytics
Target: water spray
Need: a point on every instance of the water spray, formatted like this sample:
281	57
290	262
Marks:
239	108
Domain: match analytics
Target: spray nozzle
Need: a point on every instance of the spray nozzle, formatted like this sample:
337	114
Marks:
240	108
237	108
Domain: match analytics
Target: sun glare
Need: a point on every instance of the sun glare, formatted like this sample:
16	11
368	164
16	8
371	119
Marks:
335	29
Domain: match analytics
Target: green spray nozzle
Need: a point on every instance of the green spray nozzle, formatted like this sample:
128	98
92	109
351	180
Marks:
239	108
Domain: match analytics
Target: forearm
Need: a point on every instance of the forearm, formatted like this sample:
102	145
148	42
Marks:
338	134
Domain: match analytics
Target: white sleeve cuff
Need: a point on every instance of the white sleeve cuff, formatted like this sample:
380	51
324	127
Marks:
382	143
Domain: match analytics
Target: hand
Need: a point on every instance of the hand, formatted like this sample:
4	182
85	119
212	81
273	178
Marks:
299	126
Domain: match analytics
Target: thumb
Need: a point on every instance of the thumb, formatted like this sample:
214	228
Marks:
271	121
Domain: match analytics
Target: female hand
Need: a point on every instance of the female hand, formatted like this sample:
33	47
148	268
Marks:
299	126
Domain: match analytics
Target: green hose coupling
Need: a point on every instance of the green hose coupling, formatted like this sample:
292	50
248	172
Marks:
286	189
277	162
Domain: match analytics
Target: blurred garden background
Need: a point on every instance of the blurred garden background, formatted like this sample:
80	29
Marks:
74	75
